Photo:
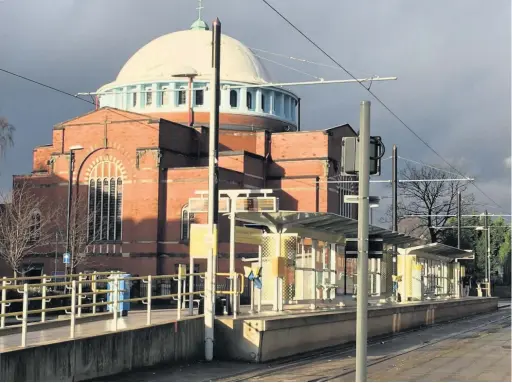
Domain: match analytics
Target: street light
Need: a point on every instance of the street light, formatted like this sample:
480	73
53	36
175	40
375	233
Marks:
72	150
189	73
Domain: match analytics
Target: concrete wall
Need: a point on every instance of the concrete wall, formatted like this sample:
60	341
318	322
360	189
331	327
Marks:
107	354
272	338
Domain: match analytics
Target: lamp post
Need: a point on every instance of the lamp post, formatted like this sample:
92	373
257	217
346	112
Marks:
189	73
72	150
213	193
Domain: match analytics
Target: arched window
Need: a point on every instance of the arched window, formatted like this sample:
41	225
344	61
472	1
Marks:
249	100
35	226
182	97
199	97
164	100
233	98
185	223
263	105
134	99
105	202
149	96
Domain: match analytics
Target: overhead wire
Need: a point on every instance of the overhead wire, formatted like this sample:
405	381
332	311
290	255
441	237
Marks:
330	179
428	166
289	67
305	61
375	97
72	95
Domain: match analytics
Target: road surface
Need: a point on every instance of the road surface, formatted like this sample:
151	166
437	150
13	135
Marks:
471	349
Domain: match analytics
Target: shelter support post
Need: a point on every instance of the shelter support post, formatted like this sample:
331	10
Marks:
332	271
314	249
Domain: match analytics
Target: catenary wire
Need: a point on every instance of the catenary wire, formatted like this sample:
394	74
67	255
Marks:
376	98
123	115
428	166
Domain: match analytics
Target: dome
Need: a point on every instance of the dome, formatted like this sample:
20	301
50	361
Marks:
165	56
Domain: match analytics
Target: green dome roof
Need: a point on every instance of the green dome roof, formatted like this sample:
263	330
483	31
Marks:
199	25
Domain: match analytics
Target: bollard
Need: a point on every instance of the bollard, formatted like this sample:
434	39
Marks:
43	300
25	316
80	290
115	305
150	286
191	288
251	311
179	292
260	265
73	310
93	288
235	295
4	305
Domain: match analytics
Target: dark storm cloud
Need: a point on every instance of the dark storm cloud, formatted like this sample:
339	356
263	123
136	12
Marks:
452	59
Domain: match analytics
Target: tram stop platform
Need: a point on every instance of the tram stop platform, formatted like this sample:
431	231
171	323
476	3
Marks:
261	338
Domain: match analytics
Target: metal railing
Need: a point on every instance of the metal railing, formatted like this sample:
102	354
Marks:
71	296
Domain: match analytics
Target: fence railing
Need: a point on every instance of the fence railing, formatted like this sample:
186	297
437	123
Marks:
89	292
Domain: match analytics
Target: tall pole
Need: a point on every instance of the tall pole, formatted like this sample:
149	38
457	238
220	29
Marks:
486	229
459	208
394	186
56	251
190	116
213	192
70	191
298	114
232	252
488	260
362	243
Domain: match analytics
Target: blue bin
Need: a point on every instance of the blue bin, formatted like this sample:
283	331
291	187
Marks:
124	293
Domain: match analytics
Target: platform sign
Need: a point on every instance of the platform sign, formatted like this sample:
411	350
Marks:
200	205
67	259
355	199
256	204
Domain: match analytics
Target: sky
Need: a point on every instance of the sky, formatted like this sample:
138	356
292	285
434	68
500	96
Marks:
452	59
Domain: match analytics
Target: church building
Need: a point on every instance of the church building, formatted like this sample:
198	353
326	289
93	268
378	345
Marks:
142	153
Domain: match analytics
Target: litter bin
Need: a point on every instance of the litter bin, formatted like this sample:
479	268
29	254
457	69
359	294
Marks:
221	308
124	293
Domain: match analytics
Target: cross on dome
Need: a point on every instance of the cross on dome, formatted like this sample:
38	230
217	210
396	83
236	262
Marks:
199	8
199	24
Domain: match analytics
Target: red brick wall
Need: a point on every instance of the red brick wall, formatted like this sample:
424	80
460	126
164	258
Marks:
291	145
155	189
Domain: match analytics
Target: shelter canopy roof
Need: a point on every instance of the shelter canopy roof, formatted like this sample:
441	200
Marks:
327	227
440	250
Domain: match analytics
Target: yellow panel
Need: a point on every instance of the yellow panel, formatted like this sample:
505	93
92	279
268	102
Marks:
278	267
201	241
409	260
247	235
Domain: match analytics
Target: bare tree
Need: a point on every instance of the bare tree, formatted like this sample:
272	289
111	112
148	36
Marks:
434	202
26	226
81	237
6	135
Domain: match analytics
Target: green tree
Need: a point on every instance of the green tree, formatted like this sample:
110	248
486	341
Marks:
472	239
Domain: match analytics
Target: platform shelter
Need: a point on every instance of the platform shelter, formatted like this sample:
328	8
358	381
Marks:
430	271
306	258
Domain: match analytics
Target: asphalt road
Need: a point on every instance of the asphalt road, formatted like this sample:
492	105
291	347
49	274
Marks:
471	349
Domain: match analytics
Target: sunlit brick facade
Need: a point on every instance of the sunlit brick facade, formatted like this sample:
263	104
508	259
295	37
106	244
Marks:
140	164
